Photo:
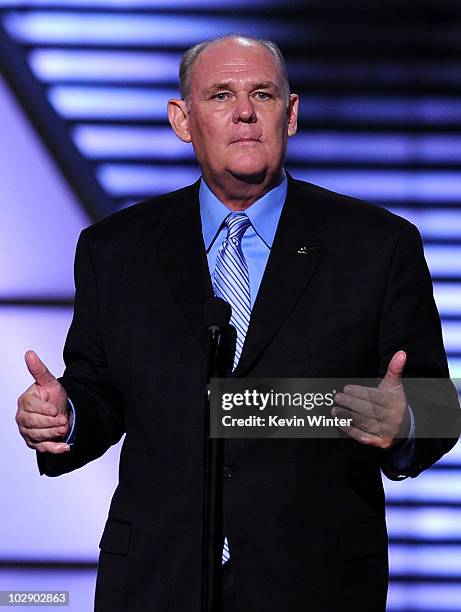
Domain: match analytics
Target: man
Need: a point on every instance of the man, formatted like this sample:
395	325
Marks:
335	287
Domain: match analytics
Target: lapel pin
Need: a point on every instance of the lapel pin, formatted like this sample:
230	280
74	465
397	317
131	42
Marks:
304	250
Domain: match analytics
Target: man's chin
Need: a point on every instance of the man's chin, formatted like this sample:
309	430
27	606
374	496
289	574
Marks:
253	176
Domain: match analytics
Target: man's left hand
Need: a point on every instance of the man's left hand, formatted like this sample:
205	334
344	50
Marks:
380	416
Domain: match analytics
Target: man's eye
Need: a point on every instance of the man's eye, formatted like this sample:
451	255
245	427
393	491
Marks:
222	95
262	95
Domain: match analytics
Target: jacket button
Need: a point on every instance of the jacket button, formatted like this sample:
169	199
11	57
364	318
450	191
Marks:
227	472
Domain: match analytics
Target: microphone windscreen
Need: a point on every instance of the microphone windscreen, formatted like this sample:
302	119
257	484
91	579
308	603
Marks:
217	312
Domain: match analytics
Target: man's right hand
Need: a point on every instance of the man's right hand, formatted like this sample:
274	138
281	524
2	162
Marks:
43	411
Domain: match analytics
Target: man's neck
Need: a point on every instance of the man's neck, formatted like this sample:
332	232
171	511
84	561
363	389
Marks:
238	194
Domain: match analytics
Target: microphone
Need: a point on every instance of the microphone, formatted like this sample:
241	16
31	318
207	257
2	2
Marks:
217	314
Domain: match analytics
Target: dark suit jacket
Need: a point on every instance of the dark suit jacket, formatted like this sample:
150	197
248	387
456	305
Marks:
304	518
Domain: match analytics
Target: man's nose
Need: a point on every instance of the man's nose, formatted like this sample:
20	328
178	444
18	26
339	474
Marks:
244	111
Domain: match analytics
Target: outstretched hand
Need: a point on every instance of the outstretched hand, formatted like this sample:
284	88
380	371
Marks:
380	415
43	412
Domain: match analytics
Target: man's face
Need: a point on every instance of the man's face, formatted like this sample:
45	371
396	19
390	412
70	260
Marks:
238	118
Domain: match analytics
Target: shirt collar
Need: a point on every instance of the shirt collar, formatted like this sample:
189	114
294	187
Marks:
264	214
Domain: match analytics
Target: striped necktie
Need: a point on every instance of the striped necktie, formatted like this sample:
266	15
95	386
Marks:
231	282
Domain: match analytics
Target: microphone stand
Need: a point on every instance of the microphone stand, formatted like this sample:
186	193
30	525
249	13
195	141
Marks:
213	533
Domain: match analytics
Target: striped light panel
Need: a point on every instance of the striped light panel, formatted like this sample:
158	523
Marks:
386	129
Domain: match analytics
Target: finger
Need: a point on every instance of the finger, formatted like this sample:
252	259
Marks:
360	406
372	396
394	372
56	448
358	421
32	390
365	438
41	421
36	405
382	429
378	397
38	369
360	392
48	434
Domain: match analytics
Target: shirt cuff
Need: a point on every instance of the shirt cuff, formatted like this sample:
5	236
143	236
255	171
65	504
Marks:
399	460
71	435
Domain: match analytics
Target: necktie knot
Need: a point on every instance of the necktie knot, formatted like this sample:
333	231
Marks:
237	224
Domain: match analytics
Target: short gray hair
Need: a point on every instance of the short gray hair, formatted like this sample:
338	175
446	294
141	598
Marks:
190	56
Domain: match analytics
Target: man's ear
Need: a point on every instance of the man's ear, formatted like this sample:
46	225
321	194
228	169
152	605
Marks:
178	116
293	114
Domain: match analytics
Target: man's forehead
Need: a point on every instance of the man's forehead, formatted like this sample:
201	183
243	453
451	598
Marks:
231	54
228	60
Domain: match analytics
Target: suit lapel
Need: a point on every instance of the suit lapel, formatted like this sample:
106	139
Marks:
293	261
182	256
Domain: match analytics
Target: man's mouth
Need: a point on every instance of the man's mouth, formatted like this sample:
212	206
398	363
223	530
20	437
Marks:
245	140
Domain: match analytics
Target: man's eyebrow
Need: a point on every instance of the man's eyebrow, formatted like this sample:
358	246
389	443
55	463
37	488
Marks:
265	85
218	86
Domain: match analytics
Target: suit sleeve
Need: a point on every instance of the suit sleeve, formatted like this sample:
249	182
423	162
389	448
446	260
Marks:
410	321
87	379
